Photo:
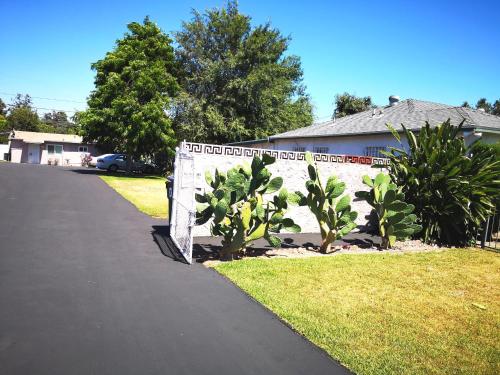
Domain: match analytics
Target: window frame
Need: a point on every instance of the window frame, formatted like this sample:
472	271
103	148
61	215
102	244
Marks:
374	151
82	148
321	149
54	145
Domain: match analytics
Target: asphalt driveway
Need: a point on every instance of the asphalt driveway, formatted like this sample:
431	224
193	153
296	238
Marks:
84	289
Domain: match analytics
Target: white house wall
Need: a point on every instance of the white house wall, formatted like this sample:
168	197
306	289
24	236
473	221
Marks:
490	138
357	144
347	145
70	156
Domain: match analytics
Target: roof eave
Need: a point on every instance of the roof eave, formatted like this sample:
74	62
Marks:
353	134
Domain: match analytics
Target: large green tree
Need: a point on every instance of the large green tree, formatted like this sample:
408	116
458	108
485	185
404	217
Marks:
238	82
493	109
348	104
57	122
3	108
484	104
21	114
3	123
128	109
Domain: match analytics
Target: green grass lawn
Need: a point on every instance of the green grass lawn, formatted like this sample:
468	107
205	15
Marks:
147	193
419	313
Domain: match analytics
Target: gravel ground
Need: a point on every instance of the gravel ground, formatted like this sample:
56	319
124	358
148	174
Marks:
305	252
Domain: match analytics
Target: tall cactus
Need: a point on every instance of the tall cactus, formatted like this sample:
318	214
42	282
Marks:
332	211
395	218
240	213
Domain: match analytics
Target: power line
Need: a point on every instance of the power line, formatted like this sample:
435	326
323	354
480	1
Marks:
43	98
45	109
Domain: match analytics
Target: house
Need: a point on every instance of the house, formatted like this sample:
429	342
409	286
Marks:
48	148
366	133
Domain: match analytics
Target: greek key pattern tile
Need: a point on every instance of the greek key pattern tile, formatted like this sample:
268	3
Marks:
202	148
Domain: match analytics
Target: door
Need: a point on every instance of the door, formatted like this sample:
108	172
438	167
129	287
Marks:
33	153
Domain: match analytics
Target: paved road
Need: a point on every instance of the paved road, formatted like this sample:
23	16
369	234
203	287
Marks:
84	289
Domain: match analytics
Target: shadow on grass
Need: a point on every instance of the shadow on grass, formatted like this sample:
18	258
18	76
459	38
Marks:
100	172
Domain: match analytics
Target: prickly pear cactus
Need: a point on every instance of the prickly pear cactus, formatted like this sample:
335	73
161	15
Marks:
239	211
332	210
395	218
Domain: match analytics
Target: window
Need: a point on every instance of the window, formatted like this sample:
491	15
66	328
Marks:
54	149
321	150
299	149
374	151
83	149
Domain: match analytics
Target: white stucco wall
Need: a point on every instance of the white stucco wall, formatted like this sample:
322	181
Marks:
294	174
348	145
4	149
490	138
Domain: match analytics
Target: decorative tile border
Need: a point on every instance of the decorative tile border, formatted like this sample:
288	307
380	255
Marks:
203	148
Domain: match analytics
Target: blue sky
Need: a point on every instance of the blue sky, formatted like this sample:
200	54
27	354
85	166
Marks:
443	51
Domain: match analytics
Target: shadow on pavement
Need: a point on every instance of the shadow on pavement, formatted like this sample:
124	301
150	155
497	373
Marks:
100	172
161	236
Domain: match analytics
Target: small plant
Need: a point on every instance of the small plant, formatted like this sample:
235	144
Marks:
332	211
239	211
395	218
85	159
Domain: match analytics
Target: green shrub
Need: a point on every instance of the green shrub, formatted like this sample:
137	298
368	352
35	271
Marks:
238	209
332	211
394	216
453	190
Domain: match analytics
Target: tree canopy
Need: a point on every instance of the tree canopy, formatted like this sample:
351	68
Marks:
21	115
134	83
57	122
348	104
238	82
493	109
483	104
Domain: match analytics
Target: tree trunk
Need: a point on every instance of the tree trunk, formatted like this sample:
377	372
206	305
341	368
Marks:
129	164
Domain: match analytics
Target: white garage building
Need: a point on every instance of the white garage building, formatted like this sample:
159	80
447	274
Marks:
48	148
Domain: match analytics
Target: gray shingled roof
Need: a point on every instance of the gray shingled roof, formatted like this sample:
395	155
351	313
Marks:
412	113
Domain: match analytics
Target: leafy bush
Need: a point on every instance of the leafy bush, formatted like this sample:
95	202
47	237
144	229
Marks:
240	213
452	189
332	211
395	218
494	148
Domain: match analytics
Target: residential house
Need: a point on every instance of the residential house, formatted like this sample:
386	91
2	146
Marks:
366	133
48	148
